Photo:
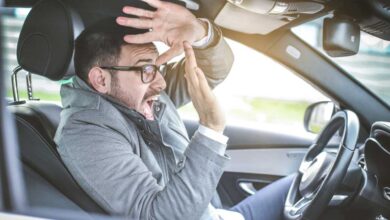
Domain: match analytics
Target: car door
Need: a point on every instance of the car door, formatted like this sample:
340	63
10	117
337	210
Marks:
264	104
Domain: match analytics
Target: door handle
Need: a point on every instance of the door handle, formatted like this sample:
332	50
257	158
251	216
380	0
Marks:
247	187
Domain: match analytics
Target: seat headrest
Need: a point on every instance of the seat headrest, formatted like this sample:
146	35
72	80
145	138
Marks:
46	41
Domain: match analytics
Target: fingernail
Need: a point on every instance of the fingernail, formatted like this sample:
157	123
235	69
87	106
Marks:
121	20
186	44
125	9
127	38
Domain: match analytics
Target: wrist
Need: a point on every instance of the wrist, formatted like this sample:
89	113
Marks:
216	127
201	29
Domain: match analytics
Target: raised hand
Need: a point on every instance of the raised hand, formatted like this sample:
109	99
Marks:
203	99
170	23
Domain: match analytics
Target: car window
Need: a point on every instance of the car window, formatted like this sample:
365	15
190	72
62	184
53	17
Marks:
260	92
12	22
371	66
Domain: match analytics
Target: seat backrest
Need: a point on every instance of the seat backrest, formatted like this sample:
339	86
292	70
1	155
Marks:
38	151
44	50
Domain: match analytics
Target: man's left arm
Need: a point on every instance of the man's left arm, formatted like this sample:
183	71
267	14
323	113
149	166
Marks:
214	57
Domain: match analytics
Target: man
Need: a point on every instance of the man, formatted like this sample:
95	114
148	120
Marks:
120	134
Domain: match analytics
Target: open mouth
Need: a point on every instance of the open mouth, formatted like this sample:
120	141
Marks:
148	107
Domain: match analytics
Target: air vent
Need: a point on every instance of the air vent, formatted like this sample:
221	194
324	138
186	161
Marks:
362	162
276	7
378	28
386	193
304	8
376	21
293	8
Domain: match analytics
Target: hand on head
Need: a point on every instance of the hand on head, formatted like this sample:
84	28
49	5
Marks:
171	24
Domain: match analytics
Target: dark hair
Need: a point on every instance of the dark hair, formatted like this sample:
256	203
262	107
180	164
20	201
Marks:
100	45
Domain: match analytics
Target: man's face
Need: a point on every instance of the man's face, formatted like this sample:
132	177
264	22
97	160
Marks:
127	86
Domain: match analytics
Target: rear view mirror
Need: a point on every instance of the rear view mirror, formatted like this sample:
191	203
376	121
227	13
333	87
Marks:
341	37
317	115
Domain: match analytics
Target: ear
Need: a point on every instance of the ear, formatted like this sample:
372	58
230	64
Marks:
100	80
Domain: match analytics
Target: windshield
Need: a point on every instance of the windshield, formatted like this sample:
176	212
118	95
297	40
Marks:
371	66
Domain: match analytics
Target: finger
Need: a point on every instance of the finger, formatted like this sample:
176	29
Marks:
190	55
140	38
138	12
203	84
190	64
142	23
191	76
169	54
190	86
192	79
153	3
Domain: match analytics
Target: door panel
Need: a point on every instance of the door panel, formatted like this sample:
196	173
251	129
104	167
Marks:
247	138
275	162
258	157
229	189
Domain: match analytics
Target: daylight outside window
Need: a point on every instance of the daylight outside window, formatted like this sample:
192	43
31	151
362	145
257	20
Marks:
261	93
371	66
44	89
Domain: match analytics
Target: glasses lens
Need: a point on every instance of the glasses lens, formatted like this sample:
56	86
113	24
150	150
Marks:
148	73
162	70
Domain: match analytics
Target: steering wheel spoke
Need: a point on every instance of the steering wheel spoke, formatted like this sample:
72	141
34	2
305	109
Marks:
298	208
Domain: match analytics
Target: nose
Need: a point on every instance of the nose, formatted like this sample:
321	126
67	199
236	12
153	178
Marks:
158	83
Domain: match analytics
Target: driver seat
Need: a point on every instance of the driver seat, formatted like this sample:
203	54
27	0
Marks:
45	51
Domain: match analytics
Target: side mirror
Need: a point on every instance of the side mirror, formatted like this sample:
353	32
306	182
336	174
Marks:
341	37
317	115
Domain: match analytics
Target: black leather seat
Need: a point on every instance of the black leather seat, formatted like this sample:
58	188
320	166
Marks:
44	50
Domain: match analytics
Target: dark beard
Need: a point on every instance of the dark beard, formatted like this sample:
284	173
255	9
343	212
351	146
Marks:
116	93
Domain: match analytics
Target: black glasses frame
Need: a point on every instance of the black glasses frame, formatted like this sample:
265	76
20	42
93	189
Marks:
143	69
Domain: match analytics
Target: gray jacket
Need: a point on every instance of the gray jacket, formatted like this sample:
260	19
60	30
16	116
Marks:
140	168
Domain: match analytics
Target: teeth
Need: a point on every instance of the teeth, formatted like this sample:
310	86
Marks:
153	98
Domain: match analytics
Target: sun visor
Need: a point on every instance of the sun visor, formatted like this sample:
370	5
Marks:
268	15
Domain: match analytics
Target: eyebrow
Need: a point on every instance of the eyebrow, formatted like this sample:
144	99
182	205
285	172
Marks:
144	61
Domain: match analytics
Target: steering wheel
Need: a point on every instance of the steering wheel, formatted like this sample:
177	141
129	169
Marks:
321	172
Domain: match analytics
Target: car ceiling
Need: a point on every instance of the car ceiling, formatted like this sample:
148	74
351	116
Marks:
224	13
373	16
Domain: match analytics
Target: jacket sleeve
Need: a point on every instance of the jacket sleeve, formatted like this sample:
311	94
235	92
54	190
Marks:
216	61
108	167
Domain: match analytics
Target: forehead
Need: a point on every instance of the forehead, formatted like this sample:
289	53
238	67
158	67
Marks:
132	53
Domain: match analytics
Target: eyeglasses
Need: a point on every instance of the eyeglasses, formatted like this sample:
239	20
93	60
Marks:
148	71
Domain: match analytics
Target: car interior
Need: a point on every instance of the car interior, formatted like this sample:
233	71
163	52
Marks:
353	148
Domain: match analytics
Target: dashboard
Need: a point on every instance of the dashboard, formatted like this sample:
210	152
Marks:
374	194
